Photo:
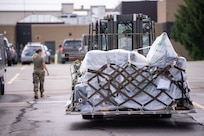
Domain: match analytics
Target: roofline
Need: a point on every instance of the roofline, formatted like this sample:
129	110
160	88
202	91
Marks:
79	9
30	10
65	3
97	6
40	23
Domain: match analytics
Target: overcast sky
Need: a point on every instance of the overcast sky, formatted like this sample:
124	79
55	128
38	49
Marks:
54	4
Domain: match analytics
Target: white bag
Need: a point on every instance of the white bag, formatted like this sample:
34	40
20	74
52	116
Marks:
161	52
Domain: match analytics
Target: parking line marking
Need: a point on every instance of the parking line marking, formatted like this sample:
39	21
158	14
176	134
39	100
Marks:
23	67
12	79
198	105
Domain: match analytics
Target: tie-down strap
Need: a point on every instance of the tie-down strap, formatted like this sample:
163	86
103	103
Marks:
113	80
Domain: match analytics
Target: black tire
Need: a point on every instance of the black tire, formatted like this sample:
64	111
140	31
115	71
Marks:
23	63
9	62
49	60
15	62
63	61
2	86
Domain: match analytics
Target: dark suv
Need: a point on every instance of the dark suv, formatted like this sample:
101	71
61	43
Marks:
71	50
2	64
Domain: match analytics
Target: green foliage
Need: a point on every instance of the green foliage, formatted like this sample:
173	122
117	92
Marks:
188	28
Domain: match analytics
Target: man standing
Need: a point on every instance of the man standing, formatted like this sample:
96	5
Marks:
39	73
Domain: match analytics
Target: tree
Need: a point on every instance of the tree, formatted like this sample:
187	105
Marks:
188	28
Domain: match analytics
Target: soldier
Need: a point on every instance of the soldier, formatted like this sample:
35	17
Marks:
39	73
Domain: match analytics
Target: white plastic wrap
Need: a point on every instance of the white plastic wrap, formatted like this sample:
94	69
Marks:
161	52
96	58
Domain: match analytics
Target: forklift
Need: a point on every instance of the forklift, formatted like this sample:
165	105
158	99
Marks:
111	31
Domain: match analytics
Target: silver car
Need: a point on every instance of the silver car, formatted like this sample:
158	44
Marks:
29	51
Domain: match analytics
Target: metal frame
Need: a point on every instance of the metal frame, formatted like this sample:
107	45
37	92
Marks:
113	113
110	30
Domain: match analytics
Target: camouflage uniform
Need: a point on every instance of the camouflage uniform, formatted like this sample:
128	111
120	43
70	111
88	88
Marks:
38	73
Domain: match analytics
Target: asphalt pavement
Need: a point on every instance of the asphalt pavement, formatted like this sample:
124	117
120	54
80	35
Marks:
21	115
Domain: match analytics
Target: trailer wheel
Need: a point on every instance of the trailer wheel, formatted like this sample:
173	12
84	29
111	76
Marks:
63	61
2	86
9	62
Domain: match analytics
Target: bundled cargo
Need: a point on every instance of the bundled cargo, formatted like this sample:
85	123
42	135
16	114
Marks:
120	80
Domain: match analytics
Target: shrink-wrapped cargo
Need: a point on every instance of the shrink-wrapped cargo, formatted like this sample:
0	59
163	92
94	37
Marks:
119	79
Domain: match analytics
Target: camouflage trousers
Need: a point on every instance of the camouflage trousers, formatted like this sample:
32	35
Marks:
38	78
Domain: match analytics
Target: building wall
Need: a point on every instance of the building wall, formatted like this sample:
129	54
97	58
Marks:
67	8
167	9
42	33
161	11
58	32
10	32
171	9
11	17
166	16
146	7
159	29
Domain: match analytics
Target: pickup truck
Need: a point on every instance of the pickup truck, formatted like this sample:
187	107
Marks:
70	50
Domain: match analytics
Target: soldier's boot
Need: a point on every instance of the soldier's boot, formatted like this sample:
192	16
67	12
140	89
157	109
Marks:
36	94
41	94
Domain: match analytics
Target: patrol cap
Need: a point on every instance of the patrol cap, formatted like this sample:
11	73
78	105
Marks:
38	50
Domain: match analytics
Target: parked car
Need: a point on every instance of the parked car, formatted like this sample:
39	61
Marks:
29	51
48	52
8	52
70	49
14	56
2	64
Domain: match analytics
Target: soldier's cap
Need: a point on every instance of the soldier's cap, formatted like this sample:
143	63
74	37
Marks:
38	50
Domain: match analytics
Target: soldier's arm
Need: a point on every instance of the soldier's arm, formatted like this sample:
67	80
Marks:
45	67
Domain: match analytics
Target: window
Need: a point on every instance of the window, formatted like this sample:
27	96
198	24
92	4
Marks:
125	36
